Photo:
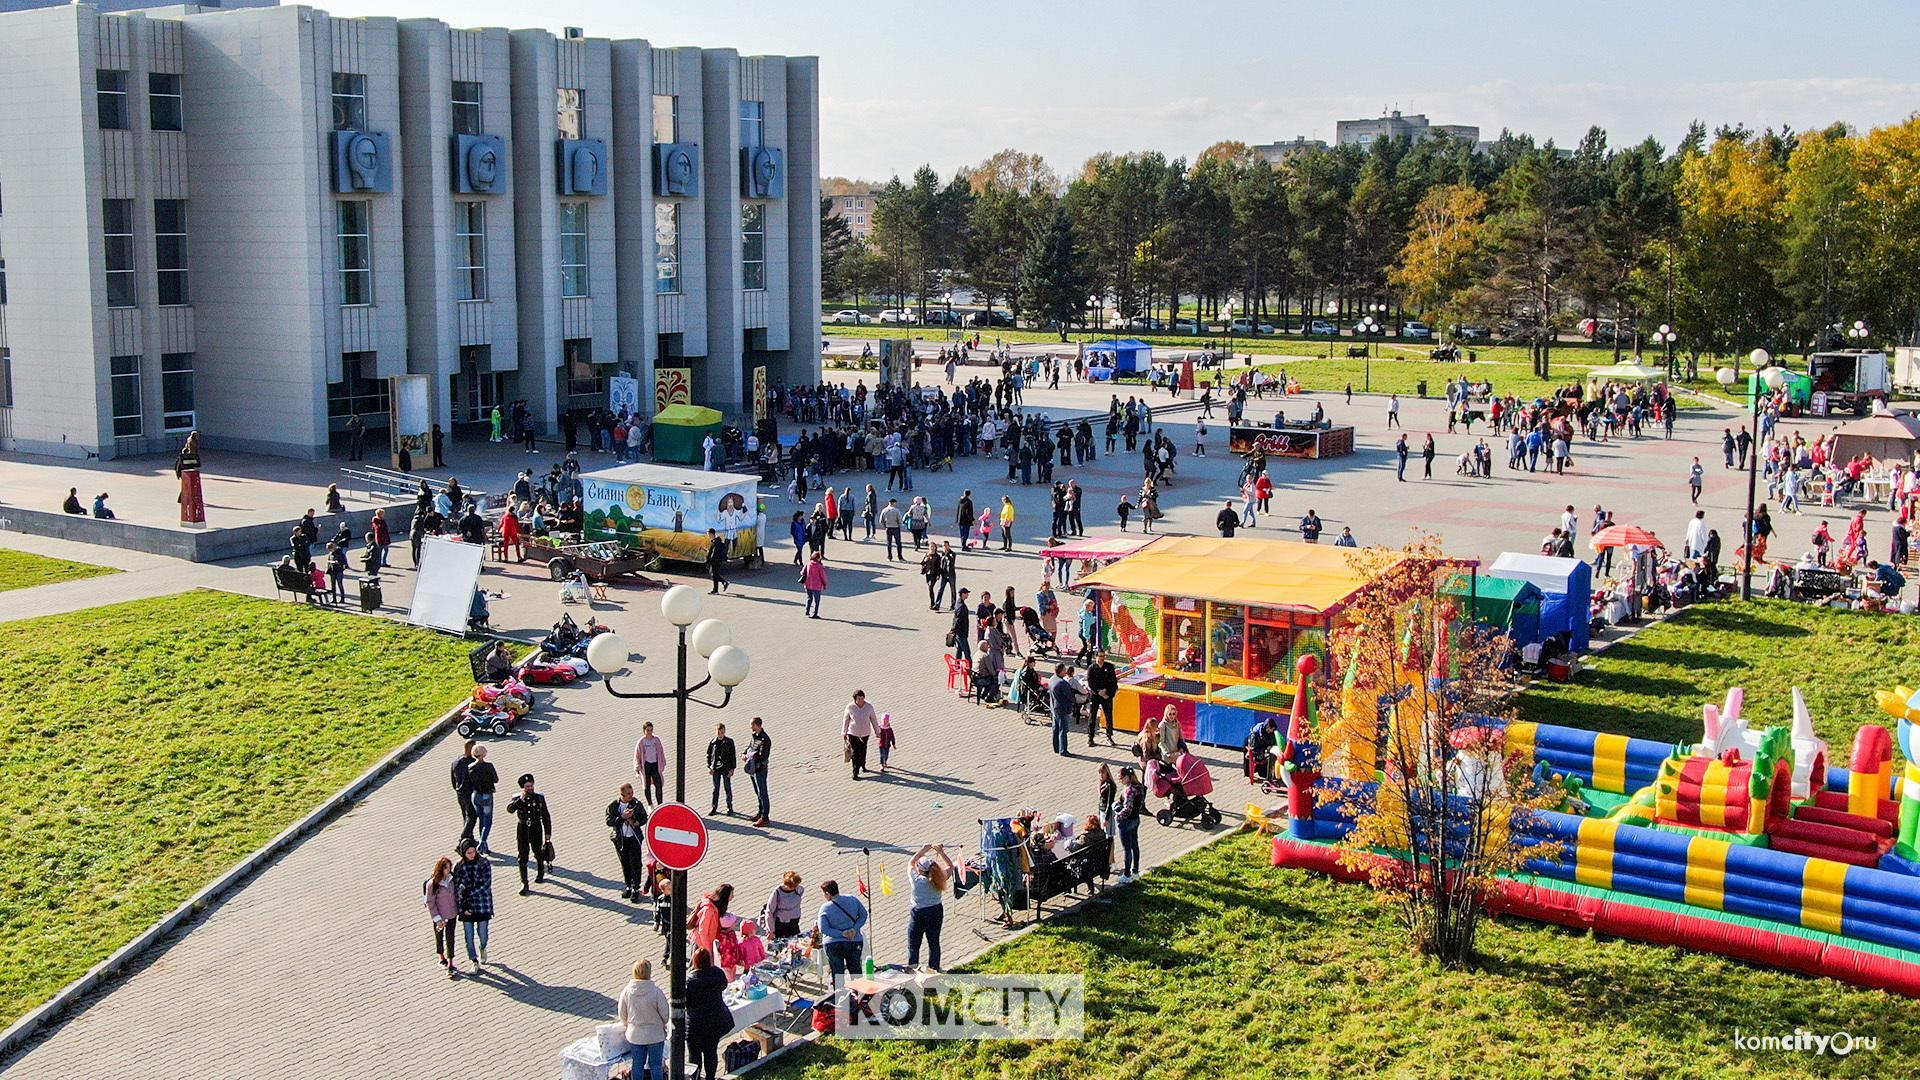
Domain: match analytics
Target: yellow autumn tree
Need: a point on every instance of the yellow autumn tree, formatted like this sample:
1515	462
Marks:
1424	696
1438	258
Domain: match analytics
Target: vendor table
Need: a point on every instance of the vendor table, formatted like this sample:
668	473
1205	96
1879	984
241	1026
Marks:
583	1059
1290	440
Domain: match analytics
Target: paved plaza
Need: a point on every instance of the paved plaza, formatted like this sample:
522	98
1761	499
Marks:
321	965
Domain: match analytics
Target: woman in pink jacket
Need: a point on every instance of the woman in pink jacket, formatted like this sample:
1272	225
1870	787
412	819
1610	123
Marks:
437	894
814	577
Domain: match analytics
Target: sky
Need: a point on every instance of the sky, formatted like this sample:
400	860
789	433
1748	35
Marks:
907	83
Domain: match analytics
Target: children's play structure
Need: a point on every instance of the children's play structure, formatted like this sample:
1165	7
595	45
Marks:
1213	627
1749	843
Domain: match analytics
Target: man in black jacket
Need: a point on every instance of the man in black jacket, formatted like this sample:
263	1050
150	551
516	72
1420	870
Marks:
960	634
1103	683
720	763
717	561
627	817
759	753
463	790
963	514
534	835
1227	520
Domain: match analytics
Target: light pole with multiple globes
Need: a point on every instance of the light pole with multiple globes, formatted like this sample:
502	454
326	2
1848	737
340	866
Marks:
1368	328
1772	378
1665	337
727	665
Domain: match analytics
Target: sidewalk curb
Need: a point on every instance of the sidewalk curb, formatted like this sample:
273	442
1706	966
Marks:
23	1032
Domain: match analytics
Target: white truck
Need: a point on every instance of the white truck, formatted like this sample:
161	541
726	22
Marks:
1906	369
1848	380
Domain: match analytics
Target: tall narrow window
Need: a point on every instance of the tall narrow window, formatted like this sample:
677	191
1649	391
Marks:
355	234
470	250
753	245
176	391
126	396
170	250
466	108
570	112
752	122
666	118
360	391
164	109
586	383
117	224
666	247
3	282
6	378
110	99
573	249
349	102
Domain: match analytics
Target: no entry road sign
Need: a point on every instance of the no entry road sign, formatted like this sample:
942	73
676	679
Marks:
677	836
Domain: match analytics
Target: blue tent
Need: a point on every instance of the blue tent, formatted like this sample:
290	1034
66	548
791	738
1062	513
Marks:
1129	356
1566	586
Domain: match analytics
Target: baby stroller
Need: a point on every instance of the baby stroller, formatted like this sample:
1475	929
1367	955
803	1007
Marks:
1187	783
1039	636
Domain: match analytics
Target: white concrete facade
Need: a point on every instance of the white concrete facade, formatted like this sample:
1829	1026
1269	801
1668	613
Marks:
281	339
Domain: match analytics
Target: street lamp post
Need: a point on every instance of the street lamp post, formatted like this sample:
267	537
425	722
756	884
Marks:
1772	378
1369	327
1859	333
1665	337
727	665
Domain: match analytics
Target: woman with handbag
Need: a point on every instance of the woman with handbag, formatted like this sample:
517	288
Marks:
534	834
437	894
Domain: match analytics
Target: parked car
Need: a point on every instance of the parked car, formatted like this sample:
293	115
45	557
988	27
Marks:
1471	333
1147	323
894	315
1322	328
1245	325
1188	326
850	317
942	317
989	319
1416	331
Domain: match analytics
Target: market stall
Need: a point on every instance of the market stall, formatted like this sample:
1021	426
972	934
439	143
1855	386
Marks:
1505	605
1884	436
667	511
1213	627
1090	553
1291	439
1566	590
1121	356
1625	371
680	433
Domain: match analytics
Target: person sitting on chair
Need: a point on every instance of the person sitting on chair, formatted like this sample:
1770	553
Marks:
477	612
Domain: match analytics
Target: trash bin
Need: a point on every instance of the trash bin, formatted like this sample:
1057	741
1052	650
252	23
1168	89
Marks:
1422	387
370	596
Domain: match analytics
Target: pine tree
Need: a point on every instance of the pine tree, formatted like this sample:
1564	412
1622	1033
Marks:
1054	278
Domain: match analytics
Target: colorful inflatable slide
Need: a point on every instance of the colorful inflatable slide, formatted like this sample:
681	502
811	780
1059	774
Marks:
1747	843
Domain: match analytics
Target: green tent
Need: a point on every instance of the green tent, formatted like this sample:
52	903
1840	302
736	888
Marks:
1506	604
679	431
1799	388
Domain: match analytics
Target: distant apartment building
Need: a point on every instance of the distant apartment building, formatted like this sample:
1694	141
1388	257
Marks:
1277	152
1396	126
242	219
856	210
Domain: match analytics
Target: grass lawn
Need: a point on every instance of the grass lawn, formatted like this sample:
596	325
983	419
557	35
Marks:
150	745
1219	966
20	570
1653	684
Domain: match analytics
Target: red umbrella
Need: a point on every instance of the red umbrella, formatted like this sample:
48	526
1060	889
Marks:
1625	536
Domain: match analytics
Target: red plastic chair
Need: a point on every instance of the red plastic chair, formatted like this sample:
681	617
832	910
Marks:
959	679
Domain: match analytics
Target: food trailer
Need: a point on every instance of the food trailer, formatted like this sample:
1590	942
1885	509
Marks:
1291	439
666	511
1213	627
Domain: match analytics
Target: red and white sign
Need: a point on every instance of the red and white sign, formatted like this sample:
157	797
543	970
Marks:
676	836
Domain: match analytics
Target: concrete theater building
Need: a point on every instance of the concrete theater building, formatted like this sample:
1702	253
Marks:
243	217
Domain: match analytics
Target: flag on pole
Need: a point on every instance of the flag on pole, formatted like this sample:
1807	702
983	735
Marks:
863	887
886	883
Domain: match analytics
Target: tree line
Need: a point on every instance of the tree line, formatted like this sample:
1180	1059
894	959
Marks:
1737	238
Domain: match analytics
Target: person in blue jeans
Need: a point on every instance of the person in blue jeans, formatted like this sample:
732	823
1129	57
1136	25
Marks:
842	925
481	779
1126	815
931	870
1063	697
473	898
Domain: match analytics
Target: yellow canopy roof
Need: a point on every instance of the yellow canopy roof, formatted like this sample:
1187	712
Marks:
687	416
1245	570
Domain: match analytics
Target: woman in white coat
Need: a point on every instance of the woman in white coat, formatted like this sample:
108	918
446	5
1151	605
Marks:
643	1012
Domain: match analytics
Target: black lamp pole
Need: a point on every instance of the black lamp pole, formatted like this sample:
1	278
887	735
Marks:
676	934
1753	475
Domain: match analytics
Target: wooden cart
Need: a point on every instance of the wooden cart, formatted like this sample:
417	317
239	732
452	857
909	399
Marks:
601	561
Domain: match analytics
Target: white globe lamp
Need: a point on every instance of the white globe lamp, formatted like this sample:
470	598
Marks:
708	635
729	665
680	605
607	654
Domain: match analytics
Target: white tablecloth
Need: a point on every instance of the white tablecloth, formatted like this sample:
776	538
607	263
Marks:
582	1059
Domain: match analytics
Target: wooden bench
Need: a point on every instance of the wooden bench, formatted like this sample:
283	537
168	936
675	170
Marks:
292	579
1079	868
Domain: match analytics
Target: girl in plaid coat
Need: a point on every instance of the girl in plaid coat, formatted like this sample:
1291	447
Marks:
473	895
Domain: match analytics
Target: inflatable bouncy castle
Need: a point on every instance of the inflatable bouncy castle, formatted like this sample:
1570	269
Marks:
1747	843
